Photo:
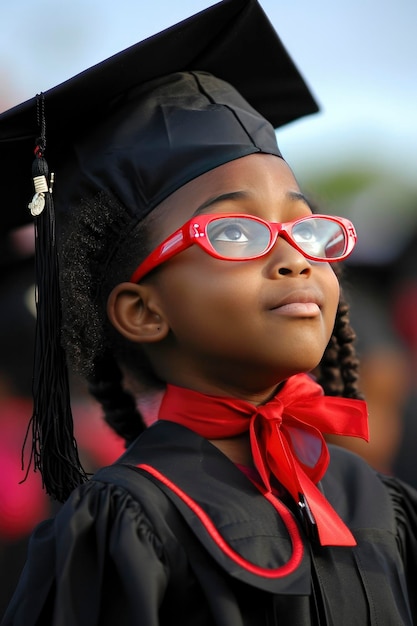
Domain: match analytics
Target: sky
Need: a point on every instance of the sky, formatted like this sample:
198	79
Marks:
358	56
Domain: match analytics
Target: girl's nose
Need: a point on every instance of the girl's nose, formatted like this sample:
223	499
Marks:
285	260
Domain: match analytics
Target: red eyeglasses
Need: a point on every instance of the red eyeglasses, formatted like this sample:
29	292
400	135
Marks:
240	237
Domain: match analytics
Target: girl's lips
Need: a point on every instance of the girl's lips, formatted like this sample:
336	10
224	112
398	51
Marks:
298	309
301	303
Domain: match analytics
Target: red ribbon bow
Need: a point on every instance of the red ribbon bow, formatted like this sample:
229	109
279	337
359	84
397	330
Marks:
286	439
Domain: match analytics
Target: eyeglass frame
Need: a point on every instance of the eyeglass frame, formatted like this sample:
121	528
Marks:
194	231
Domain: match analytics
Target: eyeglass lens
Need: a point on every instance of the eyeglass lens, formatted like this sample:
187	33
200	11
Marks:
320	237
240	237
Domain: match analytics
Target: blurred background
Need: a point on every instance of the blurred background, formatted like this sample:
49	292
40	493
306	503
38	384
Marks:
357	158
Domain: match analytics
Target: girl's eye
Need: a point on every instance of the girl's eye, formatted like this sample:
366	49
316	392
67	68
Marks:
305	233
230	233
236	238
320	237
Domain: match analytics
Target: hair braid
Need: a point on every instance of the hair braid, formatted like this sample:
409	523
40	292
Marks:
89	270
119	405
338	372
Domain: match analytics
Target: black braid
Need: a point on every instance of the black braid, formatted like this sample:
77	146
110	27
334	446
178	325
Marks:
93	261
338	372
120	410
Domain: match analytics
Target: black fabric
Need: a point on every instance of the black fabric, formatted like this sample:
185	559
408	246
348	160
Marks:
152	140
124	550
403	498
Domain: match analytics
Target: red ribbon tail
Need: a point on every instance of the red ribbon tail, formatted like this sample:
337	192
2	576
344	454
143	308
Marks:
331	529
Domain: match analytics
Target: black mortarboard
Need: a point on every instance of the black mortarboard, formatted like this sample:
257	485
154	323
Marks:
140	125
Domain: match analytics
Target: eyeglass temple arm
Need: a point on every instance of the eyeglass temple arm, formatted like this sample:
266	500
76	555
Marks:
178	241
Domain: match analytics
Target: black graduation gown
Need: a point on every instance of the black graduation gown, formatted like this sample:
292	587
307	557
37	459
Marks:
132	549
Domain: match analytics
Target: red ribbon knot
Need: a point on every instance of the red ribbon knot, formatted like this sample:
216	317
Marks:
286	439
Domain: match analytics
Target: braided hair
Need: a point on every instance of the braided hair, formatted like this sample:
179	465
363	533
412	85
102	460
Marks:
100	247
338	371
93	259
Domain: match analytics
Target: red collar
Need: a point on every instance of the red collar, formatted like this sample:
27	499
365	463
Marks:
286	439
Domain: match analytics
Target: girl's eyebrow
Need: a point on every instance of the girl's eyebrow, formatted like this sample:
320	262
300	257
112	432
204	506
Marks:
297	195
241	195
232	195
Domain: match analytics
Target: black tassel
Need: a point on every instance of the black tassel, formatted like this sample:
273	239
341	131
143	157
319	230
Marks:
54	449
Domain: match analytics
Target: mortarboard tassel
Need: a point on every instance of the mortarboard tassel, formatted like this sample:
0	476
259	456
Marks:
54	449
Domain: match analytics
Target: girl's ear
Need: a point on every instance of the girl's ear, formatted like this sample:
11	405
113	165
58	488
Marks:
134	312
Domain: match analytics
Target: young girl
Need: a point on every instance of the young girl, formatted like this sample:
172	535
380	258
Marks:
194	271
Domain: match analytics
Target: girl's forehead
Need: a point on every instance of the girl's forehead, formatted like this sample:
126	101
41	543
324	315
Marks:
251	181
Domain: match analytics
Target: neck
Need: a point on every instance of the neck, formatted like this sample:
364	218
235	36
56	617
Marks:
256	395
237	449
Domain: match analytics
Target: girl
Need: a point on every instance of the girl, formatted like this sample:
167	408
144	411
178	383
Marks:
194	271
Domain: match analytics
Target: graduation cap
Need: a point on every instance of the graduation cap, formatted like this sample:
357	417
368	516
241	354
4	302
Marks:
139	125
